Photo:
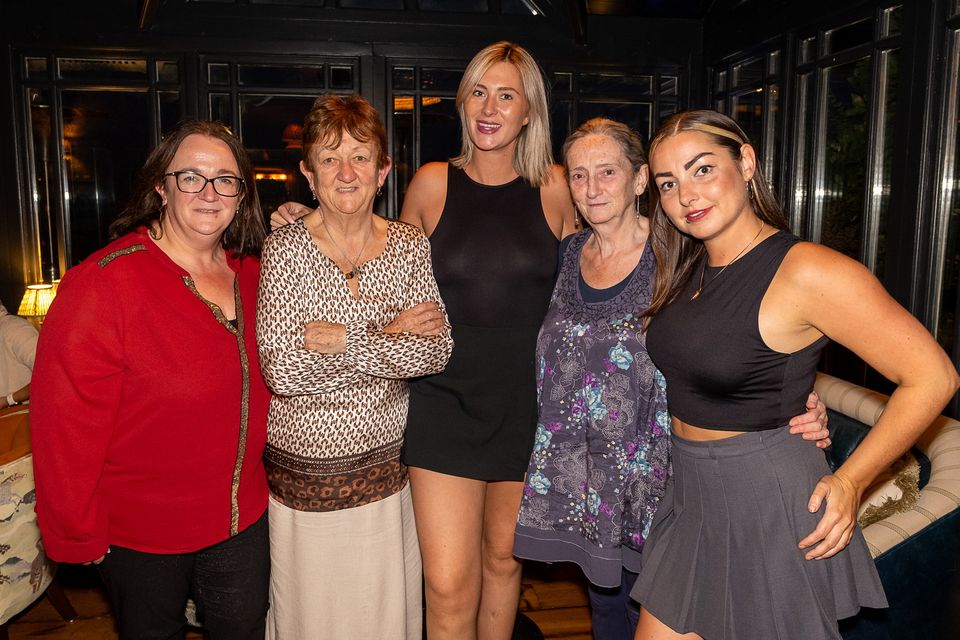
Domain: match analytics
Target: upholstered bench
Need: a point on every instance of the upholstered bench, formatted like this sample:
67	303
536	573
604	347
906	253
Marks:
916	548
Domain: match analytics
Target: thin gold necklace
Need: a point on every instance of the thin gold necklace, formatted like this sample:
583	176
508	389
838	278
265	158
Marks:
354	270
706	259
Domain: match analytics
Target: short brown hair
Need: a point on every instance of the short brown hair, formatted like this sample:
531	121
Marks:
332	115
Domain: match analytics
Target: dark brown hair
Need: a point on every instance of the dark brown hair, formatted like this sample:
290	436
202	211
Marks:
332	115
677	253
244	236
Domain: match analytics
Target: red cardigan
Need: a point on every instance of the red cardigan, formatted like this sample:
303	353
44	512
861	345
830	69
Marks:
148	409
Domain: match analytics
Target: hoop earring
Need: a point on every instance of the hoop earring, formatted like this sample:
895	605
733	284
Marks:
156	235
750	190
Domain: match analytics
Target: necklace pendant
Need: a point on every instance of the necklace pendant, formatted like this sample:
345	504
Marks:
696	294
350	275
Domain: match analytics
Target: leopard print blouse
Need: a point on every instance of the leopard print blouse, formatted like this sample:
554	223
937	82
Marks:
336	422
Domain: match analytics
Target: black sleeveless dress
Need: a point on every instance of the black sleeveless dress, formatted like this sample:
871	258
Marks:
494	258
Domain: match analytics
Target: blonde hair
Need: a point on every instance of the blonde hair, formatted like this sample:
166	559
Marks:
532	157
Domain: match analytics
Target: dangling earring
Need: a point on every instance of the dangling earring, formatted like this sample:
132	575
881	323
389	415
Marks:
156	235
379	190
314	194
577	222
750	189
637	206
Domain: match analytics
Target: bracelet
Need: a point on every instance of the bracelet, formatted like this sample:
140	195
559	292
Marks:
10	401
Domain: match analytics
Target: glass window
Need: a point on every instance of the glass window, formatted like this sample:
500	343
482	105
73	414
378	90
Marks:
560	125
170	109
36	67
271	128
720	81
562	81
168	71
747	73
404	143
221	108
841	191
371	4
341	77
802	159
807	50
880	191
948	224
892	21
771	132
102	69
748	112
437	79
439	129
773	63
518	8
669	85
612	84
635	114
44	188
849	36
218	73
454	6
105	141
404	79
275	75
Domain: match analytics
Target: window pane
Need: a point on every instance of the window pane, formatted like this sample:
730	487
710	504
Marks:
167	71
773	63
170	111
882	178
454	6
403	78
559	126
271	128
341	77
439	129
748	112
771	133
611	84
806	108
669	85
748	73
36	67
43	191
370	4
892	21
268	75
404	144
435	79
807	50
221	108
102	70
635	114
850	36
720	81
563	81
517	8
105	142
218	73
845	155
948	329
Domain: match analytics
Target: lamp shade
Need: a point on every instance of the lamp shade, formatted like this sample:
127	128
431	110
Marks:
36	301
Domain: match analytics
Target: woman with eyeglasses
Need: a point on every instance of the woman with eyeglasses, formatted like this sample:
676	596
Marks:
149	410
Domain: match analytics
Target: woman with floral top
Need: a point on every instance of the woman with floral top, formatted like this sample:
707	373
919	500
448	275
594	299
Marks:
601	456
348	310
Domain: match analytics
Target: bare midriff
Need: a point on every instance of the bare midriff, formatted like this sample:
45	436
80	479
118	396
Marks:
690	432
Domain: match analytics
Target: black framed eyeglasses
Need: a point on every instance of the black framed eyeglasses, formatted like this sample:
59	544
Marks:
192	182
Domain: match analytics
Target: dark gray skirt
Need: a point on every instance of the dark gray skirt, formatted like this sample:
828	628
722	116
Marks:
722	558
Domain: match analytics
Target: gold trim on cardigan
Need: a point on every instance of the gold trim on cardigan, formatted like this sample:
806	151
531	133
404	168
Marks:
113	255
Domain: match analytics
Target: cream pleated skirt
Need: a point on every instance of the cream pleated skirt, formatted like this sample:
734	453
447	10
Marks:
349	574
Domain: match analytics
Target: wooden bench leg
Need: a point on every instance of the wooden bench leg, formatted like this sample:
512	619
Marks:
59	601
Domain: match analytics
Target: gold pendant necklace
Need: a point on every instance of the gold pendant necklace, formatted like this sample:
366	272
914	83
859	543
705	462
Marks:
706	259
354	269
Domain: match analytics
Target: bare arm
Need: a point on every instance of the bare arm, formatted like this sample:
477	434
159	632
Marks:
840	298
425	197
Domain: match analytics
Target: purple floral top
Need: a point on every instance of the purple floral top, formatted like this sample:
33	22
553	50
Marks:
601	454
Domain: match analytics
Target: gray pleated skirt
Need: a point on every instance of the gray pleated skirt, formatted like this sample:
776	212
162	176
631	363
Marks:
722	558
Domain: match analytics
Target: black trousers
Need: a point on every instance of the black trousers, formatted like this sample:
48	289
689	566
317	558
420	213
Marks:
229	582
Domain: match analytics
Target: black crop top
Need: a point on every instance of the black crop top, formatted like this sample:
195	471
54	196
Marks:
720	373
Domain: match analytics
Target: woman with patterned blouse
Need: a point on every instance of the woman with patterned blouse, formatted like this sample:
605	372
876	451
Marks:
348	310
601	453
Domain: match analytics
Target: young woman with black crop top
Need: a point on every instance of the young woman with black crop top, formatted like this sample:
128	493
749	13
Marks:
755	539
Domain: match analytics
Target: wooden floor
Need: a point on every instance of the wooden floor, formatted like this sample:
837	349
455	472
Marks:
554	597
